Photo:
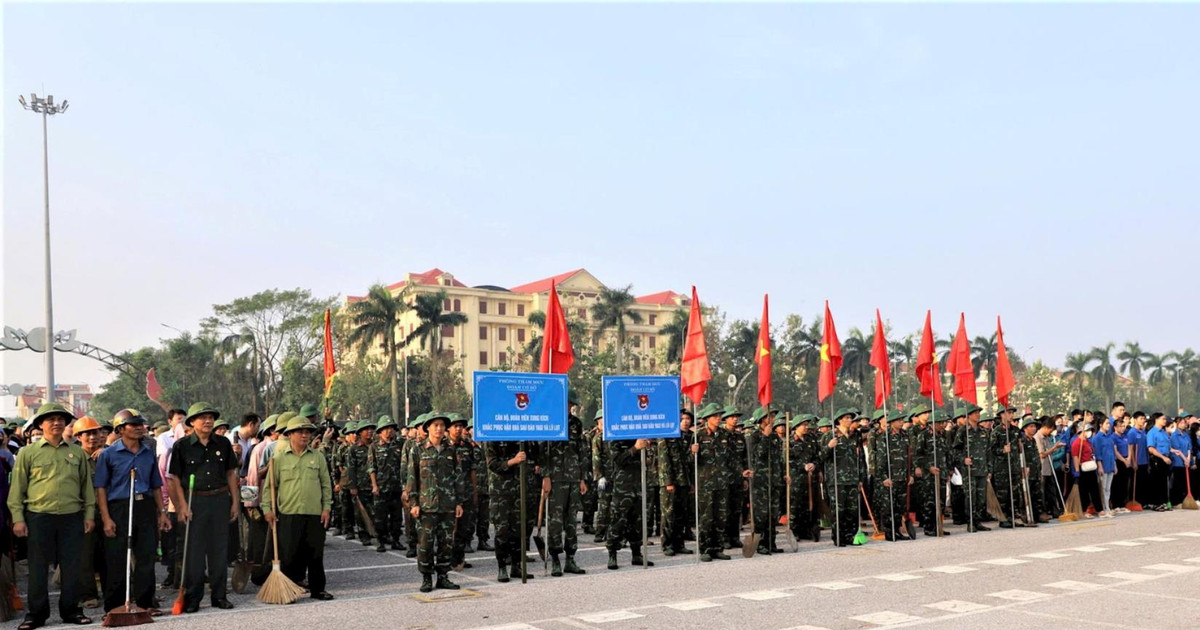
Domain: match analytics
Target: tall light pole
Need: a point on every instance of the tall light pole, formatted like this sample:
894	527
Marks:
47	108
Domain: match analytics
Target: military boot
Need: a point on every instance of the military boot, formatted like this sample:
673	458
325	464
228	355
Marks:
555	567
381	547
411	553
717	554
612	560
426	583
484	546
572	567
502	576
445	583
639	559
515	571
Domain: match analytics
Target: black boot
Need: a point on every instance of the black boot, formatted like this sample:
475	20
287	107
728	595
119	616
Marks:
502	576
612	560
515	571
398	546
484	546
573	568
638	559
411	553
426	583
445	583
717	555
381	547
555	567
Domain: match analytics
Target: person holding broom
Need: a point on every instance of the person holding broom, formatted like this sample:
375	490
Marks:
301	510
131	452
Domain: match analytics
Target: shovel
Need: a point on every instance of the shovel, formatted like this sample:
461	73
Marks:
750	543
242	566
538	540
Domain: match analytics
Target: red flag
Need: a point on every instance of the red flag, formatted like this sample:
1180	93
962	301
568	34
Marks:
1004	374
763	358
927	366
557	354
959	363
153	391
882	364
694	373
831	358
330	364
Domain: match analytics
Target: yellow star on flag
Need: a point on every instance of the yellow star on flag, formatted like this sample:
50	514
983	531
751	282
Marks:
763	351
824	353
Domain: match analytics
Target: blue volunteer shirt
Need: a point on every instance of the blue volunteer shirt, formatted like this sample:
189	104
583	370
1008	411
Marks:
1180	442
1102	443
1157	439
1121	441
112	470
1137	439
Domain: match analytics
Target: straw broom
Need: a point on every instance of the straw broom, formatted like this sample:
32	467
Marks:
177	609
877	535
131	616
1189	503
7	610
278	589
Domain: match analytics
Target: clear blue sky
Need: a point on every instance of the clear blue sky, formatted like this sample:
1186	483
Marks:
1033	161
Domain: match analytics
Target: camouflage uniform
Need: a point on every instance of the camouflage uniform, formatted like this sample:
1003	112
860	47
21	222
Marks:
736	506
590	500
843	476
1037	501
601	470
625	516
565	464
715	449
653	508
385	462
464	528
674	469
1006	471
505	506
958	494
766	459
345	499
410	524
803	518
889	460
360	480
479	465
975	442
925	488
435	485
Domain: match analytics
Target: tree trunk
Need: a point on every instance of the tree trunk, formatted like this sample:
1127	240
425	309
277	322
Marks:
395	381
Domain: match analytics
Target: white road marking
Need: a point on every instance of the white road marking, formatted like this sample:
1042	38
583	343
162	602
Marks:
510	626
1005	562
958	606
606	617
1047	555
835	586
761	596
1189	534
1127	576
369	567
1071	585
1126	543
886	618
1017	595
698	604
951	569
1091	549
1158	539
1172	568
1196	559
806	628
898	577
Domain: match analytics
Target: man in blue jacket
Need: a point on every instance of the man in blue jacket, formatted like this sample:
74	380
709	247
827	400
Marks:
1158	448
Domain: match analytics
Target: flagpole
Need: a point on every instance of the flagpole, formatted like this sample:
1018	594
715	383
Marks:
787	466
837	519
887	446
645	548
970	487
937	498
696	480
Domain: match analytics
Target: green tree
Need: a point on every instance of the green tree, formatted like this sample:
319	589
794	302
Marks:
904	357
1157	367
856	360
676	331
1133	362
611	310
1043	391
428	331
533	348
1076	372
375	320
1104	372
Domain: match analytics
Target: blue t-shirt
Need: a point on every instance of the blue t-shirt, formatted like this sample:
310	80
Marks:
1181	442
1158	440
1103	445
1121	441
1137	439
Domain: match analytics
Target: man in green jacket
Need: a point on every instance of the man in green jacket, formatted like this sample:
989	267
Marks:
302	506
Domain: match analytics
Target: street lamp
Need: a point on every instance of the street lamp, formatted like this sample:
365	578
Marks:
46	107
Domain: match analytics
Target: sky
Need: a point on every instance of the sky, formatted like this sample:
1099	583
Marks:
1031	161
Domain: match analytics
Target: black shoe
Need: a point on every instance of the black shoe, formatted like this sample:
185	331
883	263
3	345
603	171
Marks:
555	567
641	561
668	552
31	624
1006	525
323	596
587	529
366	541
930	533
444	582
572	567
502	576
689	536
684	550
468	549
426	583
718	555
223	604
776	550
735	544
816	533
381	548
484	546
191	608
349	535
899	536
612	561
706	558
599	538
411	553
398	547
515	572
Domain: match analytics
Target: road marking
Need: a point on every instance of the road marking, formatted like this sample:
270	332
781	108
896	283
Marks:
1196	559
510	626
886	618
834	586
951	569
1127	576
1189	534
806	628
1171	568
368	568
1017	595
958	606
1091	549
1047	555
1005	562
1158	539
898	577
1071	585
606	617
1126	543
762	596
698	604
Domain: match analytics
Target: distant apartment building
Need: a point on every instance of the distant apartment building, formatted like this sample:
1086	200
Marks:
76	397
498	330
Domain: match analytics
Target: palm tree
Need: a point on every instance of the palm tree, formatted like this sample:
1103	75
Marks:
429	331
856	358
533	349
376	318
743	343
904	353
676	331
1156	367
942	348
983	355
1134	362
1187	363
1077	373
1104	371
242	346
803	347
611	310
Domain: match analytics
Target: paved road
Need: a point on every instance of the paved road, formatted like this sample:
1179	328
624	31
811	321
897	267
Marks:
1134	571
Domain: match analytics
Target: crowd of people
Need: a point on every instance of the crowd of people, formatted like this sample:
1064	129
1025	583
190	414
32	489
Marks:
197	493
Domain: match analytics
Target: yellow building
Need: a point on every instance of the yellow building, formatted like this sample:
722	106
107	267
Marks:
498	329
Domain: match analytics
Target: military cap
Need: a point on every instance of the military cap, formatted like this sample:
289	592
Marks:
1026	422
731	412
987	419
454	418
268	425
47	410
799	420
470	423
307	411
418	421
284	418
878	415
748	423
599	414
362	426
160	426
200	408
684	411
960	414
127	416
940	416
299	423
972	408
760	413
85	424
385	422
845	411
824	422
711	409
221	423
897	415
918	410
436	415
780	419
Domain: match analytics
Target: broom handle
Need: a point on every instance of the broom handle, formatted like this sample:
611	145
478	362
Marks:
274	491
187	534
129	541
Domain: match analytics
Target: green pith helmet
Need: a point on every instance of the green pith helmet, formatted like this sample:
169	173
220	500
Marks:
799	420
878	415
940	417
599	415
436	415
1027	421
221	423
749	423
731	412
780	420
972	408
760	413
418	421
298	423
385	422
268	425
711	409
896	416
918	410
843	412
824	422
284	418
470	423
307	411
199	409
348	428
455	418
365	425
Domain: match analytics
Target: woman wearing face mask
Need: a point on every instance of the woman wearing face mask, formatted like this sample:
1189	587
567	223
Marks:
1086	466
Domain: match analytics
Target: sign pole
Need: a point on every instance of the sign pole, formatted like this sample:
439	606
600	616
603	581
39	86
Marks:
645	548
524	532
696	479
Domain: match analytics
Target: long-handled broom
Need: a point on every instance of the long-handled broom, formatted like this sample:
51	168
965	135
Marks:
177	609
7	586
278	589
876	535
1066	515
1189	503
131	615
1132	505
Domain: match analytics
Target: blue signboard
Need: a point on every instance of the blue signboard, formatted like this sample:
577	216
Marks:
514	407
637	407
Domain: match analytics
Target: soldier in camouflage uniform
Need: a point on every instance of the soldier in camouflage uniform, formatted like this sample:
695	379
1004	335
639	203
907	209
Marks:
562	483
504	464
674	477
416	435
385	467
958	494
1029	428
600	473
482	500
712	449
974	444
625	517
464	526
654	521
805	463
436	490
736	465
359	478
342	482
889	466
591	499
840	456
1006	467
765	450
928	440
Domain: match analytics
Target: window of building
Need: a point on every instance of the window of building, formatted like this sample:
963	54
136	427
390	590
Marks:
653	318
636	341
521	335
653	339
482	307
581	313
637	363
520	310
483	332
457	305
446	304
653	363
483	358
447	331
503	332
503	358
500	310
